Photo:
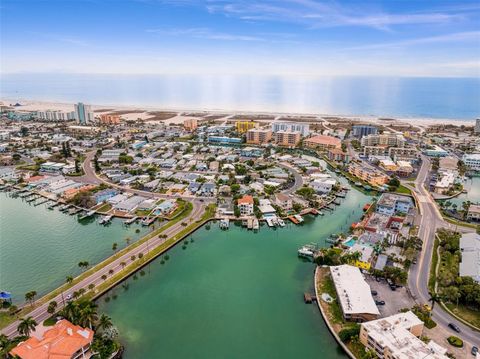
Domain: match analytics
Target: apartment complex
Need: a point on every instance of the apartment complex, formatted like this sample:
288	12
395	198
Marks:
338	155
396	337
258	136
244	126
369	175
322	142
353	294
303	128
472	161
190	124
477	126
109	119
83	113
360	131
288	138
385	139
50	115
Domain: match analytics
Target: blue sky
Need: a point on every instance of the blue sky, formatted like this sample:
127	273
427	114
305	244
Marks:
297	37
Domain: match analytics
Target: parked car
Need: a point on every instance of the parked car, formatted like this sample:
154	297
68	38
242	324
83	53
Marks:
454	327
380	302
374	292
474	350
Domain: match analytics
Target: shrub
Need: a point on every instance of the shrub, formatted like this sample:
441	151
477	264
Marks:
348	333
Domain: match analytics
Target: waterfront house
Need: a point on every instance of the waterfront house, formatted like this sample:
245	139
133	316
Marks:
105	194
283	201
245	205
397	336
129	204
63	340
473	212
353	294
8	174
390	203
166	207
366	253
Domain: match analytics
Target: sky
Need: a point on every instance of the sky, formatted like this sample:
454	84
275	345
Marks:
291	37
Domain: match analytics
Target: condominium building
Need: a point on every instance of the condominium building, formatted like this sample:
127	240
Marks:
403	153
477	126
108	119
190	124
50	115
360	131
374	151
385	139
367	174
472	161
322	142
303	128
353	294
83	113
288	138
244	126
396	337
258	136
338	155
470	251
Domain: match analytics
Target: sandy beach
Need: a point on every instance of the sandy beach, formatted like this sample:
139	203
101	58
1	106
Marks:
145	113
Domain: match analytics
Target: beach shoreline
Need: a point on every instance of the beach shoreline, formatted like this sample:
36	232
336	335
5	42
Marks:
142	112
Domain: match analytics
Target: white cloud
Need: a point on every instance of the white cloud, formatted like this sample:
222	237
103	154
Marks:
205	33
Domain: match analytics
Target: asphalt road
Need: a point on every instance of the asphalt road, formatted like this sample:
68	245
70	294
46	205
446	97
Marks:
298	178
419	273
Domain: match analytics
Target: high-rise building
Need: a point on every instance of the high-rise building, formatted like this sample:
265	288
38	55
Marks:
385	139
190	124
303	128
83	113
258	136
51	115
363	130
244	126
477	126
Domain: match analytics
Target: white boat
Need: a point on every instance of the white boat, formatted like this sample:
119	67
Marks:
269	221
281	222
224	223
299	218
105	220
305	252
256	225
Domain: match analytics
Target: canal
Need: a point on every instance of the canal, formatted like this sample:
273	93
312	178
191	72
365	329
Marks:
40	247
230	294
472	186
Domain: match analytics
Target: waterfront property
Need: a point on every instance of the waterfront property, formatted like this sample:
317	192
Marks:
63	340
397	337
353	294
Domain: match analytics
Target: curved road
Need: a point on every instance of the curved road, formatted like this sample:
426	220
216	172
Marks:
419	274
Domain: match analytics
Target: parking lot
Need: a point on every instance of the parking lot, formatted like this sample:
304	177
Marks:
394	300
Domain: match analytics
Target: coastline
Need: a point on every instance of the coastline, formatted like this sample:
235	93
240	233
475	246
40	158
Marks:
142	113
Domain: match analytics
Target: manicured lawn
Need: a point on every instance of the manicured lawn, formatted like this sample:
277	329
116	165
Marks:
403	190
470	315
105	208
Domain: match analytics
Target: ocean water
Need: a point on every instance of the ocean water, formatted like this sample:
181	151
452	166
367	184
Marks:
443	98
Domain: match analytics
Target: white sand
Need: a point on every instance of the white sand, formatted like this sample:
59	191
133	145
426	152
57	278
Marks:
31	105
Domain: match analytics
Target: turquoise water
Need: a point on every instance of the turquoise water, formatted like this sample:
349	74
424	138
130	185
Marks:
40	247
455	98
472	185
350	242
231	294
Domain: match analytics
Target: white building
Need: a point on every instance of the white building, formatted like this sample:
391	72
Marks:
470	263
51	115
477	126
353	293
303	128
323	185
83	113
396	337
472	161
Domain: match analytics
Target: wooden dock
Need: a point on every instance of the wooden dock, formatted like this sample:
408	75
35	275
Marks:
309	298
293	219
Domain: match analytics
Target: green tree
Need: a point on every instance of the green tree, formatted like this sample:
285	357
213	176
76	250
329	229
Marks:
30	296
52	306
26	326
69	279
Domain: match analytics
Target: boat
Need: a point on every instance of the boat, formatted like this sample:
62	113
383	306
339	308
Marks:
224	223
299	218
105	219
281	222
269	221
88	214
130	220
148	221
305	252
256	224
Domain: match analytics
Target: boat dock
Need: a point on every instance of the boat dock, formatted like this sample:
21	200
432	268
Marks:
309	298
147	221
105	220
256	224
224	223
130	220
88	214
293	219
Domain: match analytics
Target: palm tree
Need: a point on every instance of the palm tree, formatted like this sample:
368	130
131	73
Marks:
91	286
83	264
30	296
114	247
51	307
434	298
26	326
5	346
123	264
111	271
88	315
70	311
69	279
104	277
104	322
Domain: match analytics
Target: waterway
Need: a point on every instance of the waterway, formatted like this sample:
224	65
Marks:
472	186
231	294
40	247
